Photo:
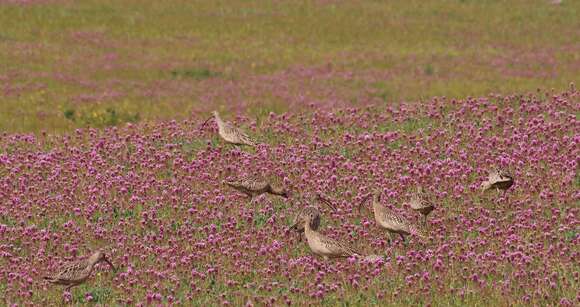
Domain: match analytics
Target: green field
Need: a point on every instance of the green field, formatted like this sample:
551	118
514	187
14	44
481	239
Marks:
69	64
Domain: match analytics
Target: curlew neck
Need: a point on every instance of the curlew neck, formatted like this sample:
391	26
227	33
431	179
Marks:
217	117
277	191
308	228
94	258
376	205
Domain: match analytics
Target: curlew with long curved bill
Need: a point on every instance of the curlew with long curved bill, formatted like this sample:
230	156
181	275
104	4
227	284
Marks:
320	244
298	222
75	273
230	133
391	221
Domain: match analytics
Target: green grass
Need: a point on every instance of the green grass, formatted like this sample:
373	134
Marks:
152	60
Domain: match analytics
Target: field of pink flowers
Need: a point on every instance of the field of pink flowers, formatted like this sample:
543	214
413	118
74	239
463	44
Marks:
152	193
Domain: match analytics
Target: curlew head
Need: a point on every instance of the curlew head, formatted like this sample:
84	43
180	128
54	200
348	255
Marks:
308	214
214	114
376	194
99	256
278	190
311	217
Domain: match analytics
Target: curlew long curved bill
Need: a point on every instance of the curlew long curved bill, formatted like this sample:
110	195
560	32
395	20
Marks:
364	200
325	201
205	122
111	264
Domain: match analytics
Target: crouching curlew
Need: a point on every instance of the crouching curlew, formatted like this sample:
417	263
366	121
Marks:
75	273
499	180
253	187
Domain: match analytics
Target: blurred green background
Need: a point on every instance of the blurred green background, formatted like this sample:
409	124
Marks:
69	64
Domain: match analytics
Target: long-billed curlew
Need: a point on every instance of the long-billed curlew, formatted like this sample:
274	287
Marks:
320	244
499	180
390	221
298	222
422	203
253	187
75	273
230	133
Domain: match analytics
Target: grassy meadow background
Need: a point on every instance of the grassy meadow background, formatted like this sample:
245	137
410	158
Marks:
345	97
68	64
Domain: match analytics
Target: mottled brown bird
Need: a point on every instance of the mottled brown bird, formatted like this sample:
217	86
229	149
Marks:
422	203
76	273
253	187
322	245
230	133
391	221
498	179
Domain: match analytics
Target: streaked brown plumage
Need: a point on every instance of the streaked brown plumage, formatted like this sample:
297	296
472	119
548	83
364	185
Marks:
391	221
322	245
498	179
75	273
230	133
422	203
253	187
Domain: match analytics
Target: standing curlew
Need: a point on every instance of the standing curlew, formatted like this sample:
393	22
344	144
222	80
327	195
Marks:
230	133
392	222
253	187
320	244
75	273
421	202
499	180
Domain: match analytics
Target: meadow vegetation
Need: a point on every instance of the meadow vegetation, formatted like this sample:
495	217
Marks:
100	146
149	60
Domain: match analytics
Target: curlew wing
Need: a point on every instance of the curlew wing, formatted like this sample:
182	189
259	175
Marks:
301	216
338	248
70	272
237	136
399	224
248	185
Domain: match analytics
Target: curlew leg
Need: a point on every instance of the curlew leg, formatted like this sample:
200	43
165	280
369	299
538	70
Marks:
403	238
390	238
249	199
